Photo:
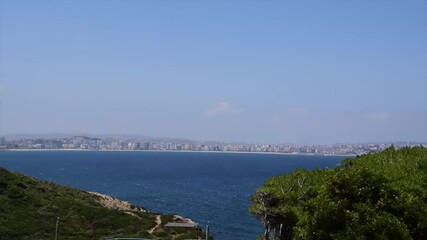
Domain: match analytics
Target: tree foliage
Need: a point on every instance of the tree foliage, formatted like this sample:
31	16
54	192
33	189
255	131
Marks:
374	196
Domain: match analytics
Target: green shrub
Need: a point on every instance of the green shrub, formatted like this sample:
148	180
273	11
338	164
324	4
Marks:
374	196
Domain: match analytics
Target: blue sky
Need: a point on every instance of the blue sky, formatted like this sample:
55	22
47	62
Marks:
252	71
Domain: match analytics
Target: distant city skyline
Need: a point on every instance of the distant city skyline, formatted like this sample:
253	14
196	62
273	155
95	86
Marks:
303	72
139	143
140	137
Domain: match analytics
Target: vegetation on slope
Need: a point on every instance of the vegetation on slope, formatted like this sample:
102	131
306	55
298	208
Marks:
29	209
374	196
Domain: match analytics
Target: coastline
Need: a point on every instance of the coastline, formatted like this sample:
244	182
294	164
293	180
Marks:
175	151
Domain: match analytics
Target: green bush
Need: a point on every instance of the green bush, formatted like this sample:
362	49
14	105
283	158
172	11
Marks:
374	196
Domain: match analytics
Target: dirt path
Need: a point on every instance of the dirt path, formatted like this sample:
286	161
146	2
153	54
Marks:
158	222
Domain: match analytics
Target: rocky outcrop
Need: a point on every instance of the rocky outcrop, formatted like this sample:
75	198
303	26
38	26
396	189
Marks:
180	219
116	204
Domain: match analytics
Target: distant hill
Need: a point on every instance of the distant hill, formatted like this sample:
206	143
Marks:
29	209
373	196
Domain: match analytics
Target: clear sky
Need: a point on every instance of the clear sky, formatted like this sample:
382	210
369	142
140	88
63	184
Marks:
253	71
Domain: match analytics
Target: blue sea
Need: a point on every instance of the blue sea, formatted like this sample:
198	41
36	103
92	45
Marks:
203	186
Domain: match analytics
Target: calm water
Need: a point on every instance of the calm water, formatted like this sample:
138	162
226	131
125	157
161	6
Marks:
212	187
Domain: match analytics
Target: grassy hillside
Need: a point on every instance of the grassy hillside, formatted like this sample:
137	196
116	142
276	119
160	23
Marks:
373	196
29	208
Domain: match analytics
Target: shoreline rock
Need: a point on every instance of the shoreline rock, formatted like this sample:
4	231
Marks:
121	205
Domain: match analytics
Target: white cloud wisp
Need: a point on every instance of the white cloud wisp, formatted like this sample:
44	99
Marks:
222	109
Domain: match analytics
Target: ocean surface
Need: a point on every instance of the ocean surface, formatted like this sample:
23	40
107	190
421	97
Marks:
203	186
